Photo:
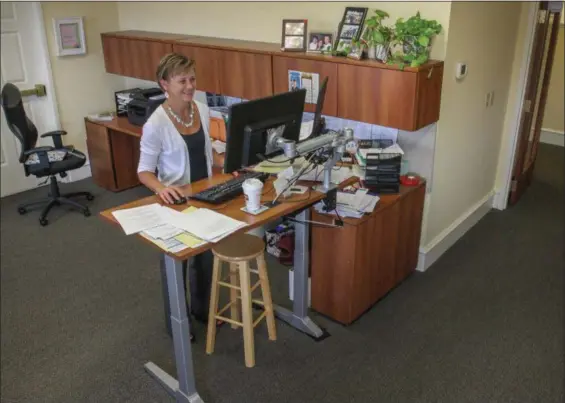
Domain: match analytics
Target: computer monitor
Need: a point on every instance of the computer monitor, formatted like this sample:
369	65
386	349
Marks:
317	126
248	123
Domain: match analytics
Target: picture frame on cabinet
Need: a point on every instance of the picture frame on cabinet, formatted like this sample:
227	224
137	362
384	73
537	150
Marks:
294	35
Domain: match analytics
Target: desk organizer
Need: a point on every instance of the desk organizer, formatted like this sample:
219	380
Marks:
382	173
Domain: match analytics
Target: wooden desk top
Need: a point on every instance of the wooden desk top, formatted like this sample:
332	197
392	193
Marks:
120	124
231	208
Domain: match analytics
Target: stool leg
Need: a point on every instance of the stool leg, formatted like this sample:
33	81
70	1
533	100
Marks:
234	308
248	338
214	296
267	300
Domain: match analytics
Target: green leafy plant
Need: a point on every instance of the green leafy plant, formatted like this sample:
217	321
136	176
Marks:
375	32
415	35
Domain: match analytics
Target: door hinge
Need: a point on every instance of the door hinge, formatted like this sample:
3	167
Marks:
527	105
542	15
514	185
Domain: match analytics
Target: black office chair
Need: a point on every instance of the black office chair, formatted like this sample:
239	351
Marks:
42	161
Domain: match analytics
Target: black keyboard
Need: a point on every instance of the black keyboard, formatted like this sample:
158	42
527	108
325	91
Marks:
227	190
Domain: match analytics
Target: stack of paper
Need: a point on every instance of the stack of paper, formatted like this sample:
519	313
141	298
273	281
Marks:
361	154
353	204
203	223
139	219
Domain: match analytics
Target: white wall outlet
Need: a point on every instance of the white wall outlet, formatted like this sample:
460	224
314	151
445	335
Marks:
461	70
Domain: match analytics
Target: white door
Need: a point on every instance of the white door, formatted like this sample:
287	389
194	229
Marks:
24	62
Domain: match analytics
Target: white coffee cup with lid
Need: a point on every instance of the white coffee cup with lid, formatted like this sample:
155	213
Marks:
252	189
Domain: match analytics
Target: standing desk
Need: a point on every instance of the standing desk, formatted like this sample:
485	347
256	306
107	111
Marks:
184	388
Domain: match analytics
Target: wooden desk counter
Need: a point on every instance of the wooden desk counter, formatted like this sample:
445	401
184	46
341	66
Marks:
231	208
113	149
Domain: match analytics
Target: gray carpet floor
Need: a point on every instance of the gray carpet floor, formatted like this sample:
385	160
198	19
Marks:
81	312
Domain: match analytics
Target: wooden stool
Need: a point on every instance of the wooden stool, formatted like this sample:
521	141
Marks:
238	251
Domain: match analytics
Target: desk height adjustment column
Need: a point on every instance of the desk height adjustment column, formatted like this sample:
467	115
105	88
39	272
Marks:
298	317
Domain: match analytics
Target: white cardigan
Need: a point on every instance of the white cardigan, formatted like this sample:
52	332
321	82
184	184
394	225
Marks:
164	150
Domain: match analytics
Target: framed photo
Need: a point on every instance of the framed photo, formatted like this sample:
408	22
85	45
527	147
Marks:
294	35
320	42
343	45
351	24
356	52
69	36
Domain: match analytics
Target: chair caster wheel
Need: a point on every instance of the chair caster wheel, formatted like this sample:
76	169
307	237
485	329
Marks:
43	222
86	213
89	197
22	210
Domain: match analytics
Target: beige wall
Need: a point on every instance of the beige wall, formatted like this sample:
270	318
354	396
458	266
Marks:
553	116
263	21
82	86
469	134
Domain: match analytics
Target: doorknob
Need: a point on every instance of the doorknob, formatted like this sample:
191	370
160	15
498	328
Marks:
39	91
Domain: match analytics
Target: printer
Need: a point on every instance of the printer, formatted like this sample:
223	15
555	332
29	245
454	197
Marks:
143	103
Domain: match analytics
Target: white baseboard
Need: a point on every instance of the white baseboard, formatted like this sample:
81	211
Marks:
555	137
81	173
441	243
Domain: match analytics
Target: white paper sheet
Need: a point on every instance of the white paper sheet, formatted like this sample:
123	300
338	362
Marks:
138	219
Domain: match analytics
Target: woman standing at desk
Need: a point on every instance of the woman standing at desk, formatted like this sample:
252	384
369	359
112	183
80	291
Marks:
175	143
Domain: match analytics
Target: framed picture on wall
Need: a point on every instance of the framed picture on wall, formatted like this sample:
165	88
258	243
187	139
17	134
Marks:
294	35
69	36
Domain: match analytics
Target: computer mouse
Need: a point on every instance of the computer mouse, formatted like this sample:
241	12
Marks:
181	200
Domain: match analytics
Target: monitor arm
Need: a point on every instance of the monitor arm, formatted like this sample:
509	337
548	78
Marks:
331	146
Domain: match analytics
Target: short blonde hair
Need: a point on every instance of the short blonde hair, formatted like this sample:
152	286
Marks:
173	64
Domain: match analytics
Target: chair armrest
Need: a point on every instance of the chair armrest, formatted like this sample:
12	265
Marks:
38	150
56	135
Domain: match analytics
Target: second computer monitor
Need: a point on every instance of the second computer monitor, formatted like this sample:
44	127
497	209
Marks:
248	123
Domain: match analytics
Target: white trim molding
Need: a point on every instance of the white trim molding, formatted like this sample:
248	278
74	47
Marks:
555	137
445	240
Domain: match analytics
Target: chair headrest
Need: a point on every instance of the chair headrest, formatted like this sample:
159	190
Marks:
11	96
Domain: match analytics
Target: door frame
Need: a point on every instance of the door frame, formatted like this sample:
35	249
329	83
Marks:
501	201
50	84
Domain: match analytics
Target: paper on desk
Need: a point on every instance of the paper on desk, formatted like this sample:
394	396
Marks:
277	164
189	240
203	223
219	146
170	245
338	175
139	219
306	130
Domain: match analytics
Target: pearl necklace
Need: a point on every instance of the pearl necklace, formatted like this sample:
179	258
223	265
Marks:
179	119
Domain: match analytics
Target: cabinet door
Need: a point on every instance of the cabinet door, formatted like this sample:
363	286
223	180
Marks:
111	47
207	72
100	155
380	96
245	75
281	66
143	57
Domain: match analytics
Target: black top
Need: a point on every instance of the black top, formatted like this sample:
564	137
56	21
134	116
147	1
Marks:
196	144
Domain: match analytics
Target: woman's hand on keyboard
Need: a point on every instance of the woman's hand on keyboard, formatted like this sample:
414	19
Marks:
170	194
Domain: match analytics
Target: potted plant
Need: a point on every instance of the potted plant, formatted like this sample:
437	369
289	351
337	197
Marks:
415	37
377	36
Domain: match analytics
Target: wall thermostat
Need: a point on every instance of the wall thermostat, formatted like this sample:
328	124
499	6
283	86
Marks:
461	71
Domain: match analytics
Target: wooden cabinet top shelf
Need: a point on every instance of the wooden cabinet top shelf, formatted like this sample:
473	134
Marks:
258	47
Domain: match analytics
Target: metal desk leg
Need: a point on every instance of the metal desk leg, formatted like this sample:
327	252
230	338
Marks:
184	390
298	317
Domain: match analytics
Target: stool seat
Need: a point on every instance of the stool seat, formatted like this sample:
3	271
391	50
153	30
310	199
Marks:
239	248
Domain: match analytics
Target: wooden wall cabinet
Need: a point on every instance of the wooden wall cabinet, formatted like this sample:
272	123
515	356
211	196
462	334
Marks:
207	66
245	75
360	90
281	66
405	100
355	266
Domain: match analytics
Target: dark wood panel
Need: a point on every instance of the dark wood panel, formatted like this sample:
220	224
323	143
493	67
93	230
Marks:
145	57
428	96
281	66
246	75
100	155
125	154
207	69
378	96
